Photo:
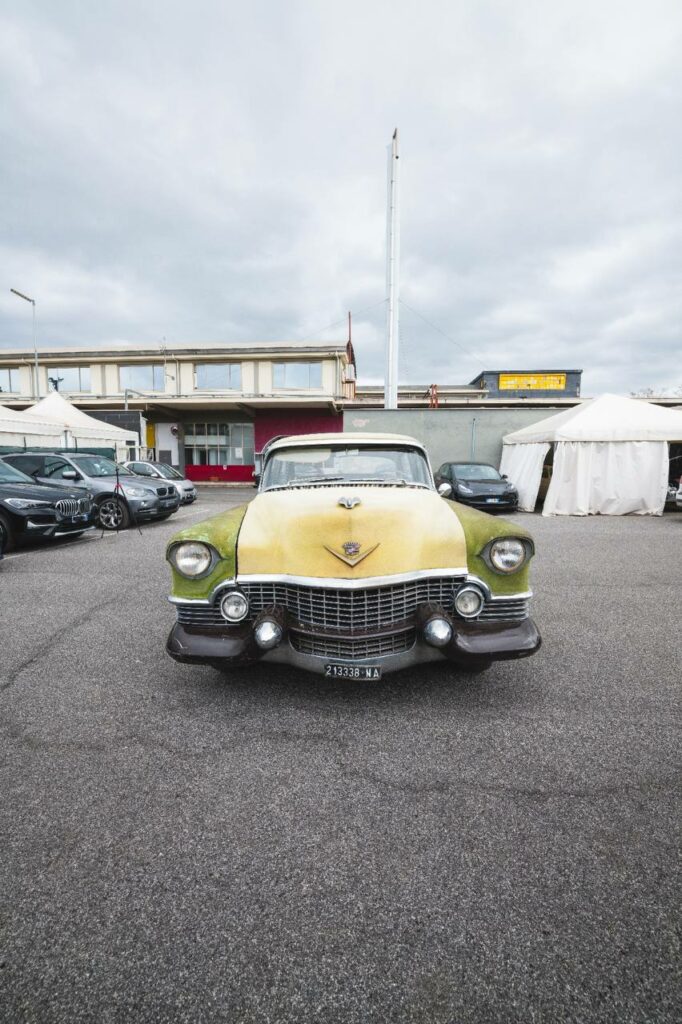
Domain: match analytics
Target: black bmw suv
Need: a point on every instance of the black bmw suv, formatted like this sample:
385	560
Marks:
29	510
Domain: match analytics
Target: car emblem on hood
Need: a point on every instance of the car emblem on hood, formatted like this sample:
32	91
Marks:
346	502
351	552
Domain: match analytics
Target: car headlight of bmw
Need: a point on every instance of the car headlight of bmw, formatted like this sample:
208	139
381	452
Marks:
509	554
192	558
26	503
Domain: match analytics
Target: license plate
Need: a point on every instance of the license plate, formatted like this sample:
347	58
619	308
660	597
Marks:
493	501
168	501
352	671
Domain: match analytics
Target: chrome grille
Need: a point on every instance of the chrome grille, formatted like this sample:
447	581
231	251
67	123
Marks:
340	647
367	608
352	610
162	491
68	506
505	609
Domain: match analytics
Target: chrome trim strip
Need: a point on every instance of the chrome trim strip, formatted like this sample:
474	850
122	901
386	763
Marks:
364	583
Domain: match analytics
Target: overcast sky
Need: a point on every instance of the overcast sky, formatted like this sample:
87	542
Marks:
216	171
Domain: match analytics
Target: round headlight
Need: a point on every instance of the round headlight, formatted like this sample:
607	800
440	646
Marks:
234	607
507	554
468	602
192	558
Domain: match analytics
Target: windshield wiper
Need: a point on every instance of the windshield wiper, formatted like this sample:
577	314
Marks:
398	482
304	483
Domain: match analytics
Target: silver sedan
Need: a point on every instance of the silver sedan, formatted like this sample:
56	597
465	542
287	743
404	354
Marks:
161	470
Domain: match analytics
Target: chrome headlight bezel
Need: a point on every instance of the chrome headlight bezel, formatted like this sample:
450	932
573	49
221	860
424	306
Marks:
208	565
234	592
470	588
489	552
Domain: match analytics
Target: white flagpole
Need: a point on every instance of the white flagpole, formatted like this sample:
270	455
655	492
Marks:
393	279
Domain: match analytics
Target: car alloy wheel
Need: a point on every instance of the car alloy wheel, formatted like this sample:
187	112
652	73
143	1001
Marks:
113	514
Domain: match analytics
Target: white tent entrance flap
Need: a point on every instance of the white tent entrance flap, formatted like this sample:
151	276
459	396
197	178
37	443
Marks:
607	478
523	463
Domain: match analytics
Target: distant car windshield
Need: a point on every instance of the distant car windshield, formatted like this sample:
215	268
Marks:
95	465
474	471
167	471
376	464
10	475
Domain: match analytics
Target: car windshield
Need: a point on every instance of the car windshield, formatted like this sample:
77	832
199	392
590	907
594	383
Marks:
167	472
375	464
96	465
10	475
474	471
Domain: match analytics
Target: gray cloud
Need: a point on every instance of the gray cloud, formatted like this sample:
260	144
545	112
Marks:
216	171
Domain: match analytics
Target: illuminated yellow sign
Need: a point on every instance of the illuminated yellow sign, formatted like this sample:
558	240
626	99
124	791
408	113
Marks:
532	382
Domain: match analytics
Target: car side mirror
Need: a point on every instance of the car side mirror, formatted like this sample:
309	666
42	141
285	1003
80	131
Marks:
256	479
69	474
504	476
445	489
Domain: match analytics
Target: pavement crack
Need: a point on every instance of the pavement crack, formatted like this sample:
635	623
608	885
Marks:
46	643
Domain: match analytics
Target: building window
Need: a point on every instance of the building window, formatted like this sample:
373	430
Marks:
219	444
139	377
297	375
9	380
69	378
218	376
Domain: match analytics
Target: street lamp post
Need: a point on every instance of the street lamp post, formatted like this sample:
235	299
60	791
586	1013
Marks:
36	385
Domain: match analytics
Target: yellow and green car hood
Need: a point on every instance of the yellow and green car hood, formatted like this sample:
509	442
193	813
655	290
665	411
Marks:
311	532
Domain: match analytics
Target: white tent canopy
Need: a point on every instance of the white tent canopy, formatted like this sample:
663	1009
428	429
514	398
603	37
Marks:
19	430
610	457
81	429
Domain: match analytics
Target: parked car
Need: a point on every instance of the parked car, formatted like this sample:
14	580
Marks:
478	484
678	496
29	511
120	497
348	563
162	471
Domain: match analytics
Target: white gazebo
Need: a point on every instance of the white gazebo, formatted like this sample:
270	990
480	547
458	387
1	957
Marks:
610	457
81	430
17	430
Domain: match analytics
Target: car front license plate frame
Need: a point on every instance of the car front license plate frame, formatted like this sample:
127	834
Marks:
366	673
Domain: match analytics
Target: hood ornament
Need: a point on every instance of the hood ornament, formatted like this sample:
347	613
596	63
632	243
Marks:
346	502
351	552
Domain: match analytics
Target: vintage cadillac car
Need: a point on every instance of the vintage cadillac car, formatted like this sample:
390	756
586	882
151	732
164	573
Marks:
349	563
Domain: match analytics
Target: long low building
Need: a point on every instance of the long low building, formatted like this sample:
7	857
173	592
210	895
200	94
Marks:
208	409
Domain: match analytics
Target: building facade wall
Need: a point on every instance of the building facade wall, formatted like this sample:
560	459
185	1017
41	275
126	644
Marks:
450	434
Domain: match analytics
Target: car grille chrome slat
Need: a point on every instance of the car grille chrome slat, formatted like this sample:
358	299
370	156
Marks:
505	609
327	608
366	608
352	649
68	506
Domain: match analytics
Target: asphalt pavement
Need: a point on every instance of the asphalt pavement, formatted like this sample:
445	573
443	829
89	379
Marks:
180	846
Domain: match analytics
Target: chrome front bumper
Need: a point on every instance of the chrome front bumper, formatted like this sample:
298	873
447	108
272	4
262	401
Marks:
235	647
370	622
